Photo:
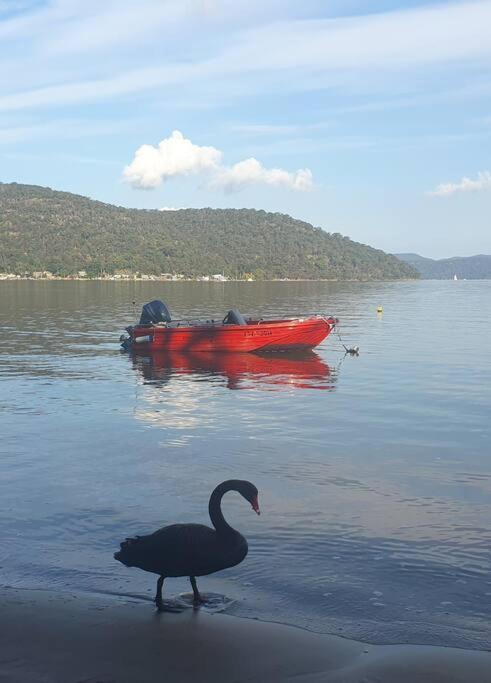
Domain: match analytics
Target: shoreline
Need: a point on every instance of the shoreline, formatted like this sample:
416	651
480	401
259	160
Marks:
56	278
57	637
19	278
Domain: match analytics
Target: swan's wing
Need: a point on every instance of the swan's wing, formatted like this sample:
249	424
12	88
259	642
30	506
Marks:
187	549
175	550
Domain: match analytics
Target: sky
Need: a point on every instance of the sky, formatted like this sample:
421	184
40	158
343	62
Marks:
365	117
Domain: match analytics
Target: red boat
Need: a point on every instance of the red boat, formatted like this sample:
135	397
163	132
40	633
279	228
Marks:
157	331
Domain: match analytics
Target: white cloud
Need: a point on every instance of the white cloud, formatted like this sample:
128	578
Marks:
252	172
174	156
177	156
169	208
59	129
482	182
289	55
276	129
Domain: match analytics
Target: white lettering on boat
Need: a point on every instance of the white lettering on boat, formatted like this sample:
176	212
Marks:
258	333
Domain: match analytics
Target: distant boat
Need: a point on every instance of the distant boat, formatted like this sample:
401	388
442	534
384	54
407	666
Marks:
455	277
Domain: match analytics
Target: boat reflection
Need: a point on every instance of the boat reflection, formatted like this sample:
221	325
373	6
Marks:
300	370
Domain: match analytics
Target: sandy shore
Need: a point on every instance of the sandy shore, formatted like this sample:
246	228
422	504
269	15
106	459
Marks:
63	638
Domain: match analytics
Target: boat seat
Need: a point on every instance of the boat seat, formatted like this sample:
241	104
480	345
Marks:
234	317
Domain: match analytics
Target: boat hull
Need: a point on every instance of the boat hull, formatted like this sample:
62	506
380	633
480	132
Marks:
262	335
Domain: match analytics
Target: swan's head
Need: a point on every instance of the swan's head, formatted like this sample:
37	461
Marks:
250	493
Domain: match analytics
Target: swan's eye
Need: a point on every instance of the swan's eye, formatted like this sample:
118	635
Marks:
255	505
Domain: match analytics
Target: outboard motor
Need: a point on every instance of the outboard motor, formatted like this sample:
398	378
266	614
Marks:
234	317
155	312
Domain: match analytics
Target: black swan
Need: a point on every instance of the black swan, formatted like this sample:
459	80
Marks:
191	549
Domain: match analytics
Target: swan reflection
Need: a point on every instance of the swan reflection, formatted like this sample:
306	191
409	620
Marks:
305	370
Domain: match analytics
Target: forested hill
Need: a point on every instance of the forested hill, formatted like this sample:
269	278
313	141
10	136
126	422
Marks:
42	229
464	267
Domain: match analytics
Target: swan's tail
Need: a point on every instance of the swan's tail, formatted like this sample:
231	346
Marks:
126	553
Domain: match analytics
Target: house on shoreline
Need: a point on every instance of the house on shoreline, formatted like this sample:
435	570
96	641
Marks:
116	277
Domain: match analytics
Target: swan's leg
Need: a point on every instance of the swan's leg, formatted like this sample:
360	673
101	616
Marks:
197	596
158	595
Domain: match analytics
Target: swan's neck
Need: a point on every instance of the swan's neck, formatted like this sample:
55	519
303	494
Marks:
215	509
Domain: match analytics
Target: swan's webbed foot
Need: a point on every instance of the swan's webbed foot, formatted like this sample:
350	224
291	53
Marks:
198	600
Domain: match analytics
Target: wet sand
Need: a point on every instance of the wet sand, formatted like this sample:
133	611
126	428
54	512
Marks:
48	637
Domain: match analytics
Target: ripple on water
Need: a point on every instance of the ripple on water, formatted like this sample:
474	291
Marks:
375	487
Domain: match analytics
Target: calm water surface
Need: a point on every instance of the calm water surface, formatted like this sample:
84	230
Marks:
374	472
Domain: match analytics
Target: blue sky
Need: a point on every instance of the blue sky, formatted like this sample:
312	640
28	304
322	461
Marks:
369	118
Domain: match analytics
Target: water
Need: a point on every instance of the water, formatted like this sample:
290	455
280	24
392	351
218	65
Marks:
373	471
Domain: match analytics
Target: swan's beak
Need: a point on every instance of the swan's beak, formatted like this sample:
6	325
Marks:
255	506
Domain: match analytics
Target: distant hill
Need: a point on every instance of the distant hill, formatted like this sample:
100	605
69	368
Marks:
42	229
468	267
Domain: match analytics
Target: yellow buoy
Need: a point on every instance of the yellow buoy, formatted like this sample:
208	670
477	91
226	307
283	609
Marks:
380	309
